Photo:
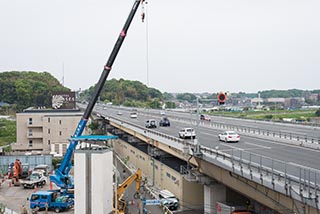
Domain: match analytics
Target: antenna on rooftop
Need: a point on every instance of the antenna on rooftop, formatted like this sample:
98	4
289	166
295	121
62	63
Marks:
62	81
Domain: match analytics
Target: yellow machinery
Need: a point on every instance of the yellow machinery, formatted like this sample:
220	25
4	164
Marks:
121	203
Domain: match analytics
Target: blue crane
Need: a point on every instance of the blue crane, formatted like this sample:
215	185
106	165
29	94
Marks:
61	177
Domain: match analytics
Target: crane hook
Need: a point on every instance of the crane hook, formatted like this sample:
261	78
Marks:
142	9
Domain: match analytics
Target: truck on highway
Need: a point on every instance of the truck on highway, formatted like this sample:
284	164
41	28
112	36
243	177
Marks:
51	201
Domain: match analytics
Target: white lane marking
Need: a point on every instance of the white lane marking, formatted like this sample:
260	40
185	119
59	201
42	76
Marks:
232	147
252	144
293	132
302	166
209	134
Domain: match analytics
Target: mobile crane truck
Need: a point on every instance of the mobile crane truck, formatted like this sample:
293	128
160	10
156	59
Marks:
61	177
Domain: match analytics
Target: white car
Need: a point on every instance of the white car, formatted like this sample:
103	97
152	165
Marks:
229	136
187	133
119	113
133	115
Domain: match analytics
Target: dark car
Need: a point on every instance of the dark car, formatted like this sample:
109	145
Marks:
164	122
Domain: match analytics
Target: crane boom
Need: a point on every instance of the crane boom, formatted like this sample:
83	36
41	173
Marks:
61	177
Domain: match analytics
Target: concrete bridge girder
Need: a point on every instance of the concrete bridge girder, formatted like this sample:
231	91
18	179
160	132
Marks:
270	198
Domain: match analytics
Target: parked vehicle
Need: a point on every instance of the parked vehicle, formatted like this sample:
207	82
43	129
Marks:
187	133
44	168
51	200
151	123
164	122
36	179
229	136
168	199
205	117
25	170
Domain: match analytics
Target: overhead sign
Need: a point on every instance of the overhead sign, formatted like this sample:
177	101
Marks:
152	202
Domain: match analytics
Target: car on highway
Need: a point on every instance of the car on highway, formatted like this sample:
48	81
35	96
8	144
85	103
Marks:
229	136
205	117
164	122
119	113
187	133
133	115
151	123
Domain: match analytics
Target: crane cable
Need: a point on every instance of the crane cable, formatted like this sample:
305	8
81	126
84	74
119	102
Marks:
143	18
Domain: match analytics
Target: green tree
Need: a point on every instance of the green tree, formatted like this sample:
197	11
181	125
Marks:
317	113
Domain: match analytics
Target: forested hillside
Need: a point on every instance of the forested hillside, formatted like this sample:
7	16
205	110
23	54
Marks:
27	88
128	93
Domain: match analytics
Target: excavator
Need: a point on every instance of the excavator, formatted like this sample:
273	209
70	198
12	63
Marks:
119	203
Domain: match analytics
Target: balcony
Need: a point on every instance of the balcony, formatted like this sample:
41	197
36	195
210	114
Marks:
33	135
34	124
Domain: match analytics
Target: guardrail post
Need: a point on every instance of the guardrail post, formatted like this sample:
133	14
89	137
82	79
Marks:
260	167
250	166
241	167
272	174
300	188
232	160
285	178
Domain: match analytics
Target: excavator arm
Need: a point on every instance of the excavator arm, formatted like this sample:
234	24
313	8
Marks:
137	177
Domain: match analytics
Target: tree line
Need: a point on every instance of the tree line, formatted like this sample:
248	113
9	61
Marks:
27	88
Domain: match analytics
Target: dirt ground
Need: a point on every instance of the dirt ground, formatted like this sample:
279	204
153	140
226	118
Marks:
15	197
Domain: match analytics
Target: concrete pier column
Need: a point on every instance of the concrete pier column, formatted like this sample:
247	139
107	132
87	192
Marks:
93	181
213	193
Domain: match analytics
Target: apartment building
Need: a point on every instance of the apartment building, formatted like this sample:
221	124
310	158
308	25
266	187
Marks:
46	131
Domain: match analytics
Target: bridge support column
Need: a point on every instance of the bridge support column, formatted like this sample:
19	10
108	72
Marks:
213	193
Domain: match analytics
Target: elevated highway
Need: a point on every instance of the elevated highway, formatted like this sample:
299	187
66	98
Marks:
281	172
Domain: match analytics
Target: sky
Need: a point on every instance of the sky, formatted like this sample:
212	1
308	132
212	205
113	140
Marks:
182	46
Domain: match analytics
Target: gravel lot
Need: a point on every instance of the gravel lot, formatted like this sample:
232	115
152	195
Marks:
15	197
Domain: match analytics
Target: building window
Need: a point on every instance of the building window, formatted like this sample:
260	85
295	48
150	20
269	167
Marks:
168	174
48	119
60	122
60	133
30	132
30	143
48	131
49	142
30	121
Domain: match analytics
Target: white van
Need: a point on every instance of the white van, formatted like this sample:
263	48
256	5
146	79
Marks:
168	199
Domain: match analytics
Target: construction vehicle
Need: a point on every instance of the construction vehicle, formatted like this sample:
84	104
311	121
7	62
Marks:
50	200
119	202
17	171
36	179
61	177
